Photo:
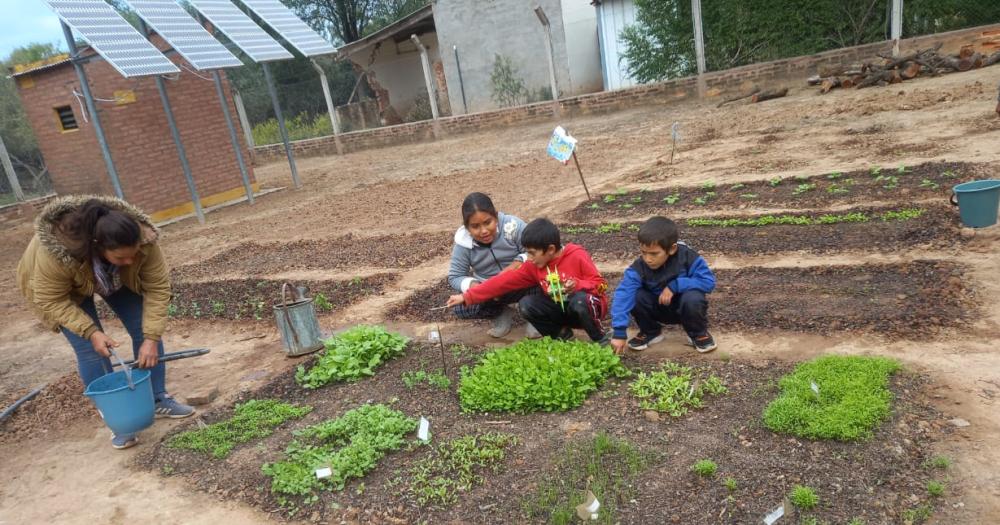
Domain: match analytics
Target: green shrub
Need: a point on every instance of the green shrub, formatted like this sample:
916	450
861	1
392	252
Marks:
935	489
674	389
804	497
299	127
604	464
454	467
350	446
254	419
352	355
854	398
705	468
322	303
541	374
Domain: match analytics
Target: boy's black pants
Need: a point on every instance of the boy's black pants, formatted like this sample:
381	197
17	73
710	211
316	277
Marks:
688	309
583	310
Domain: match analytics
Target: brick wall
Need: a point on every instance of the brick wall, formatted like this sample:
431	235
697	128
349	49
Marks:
23	211
790	72
141	145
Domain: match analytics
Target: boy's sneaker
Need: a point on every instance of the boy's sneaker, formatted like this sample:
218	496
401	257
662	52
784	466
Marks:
531	332
702	343
502	323
124	441
566	334
170	407
642	341
606	340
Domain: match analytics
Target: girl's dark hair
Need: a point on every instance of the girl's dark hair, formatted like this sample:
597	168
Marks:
95	227
477	202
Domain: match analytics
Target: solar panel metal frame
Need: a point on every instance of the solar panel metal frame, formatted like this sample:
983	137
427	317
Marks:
290	27
185	34
238	27
113	37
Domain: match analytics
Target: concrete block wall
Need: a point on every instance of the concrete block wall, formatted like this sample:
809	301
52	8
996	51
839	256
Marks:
790	72
137	133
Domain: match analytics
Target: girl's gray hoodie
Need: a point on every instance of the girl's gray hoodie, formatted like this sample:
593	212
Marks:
482	261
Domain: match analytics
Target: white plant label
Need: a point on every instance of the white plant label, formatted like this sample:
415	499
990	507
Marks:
434	336
588	509
424	431
775	514
594	506
324	472
815	387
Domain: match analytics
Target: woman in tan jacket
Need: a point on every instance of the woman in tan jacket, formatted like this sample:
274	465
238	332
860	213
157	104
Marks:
101	245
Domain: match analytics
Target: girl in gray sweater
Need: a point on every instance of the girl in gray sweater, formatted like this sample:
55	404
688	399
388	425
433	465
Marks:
488	242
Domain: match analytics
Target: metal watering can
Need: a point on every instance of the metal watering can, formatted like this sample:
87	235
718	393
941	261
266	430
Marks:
296	320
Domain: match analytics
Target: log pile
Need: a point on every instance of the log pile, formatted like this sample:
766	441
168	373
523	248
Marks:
895	70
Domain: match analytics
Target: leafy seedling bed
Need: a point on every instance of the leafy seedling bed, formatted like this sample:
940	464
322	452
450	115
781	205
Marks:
896	300
869	230
348	251
893	183
242	299
870	479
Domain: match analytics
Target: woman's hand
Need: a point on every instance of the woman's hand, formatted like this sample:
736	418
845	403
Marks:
455	300
148	354
102	343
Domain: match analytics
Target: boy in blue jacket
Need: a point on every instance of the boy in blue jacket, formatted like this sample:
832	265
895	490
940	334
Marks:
666	285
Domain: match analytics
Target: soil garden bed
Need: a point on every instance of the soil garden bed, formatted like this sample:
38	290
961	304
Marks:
865	229
59	405
388	251
885	183
252	299
878	480
900	300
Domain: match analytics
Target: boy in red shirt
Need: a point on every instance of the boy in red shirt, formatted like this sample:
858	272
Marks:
584	303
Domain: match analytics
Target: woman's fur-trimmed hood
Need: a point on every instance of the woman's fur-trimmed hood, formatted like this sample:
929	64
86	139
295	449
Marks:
46	224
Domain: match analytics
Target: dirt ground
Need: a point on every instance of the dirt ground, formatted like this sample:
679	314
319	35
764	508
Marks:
62	469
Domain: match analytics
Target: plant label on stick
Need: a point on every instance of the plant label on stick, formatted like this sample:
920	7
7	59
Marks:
434	336
588	509
775	515
324	472
424	431
815	388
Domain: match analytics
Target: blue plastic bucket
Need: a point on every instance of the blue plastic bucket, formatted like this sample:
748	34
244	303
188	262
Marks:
126	408
978	202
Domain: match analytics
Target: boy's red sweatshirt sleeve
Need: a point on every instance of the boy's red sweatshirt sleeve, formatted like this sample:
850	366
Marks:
590	279
502	283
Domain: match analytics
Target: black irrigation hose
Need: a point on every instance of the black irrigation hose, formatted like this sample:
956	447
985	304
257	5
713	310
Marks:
173	356
10	410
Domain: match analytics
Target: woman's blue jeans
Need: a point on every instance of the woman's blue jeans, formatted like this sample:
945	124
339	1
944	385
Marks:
127	305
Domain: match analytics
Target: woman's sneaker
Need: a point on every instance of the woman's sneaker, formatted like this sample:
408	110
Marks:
170	407
642	341
124	441
702	343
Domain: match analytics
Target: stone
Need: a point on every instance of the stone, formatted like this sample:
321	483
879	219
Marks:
967	233
959	422
651	415
203	396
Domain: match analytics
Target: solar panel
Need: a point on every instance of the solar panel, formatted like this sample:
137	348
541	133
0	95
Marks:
238	27
290	27
187	36
114	39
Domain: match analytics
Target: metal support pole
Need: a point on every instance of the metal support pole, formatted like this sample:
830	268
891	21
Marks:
8	168
241	112
428	77
176	135
329	99
897	25
281	123
181	154
699	36
461	84
546	29
88	97
232	135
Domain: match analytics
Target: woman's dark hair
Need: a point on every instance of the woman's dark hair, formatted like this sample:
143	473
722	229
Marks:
477	202
95	227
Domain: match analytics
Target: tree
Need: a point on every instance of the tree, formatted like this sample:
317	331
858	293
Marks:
738	32
345	21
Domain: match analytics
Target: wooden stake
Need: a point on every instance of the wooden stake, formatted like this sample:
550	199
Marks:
577	162
444	360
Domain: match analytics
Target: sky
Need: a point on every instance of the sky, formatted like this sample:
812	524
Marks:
32	21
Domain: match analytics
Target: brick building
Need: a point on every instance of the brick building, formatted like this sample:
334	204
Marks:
136	129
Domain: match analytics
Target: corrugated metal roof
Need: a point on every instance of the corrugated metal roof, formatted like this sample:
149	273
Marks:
407	22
